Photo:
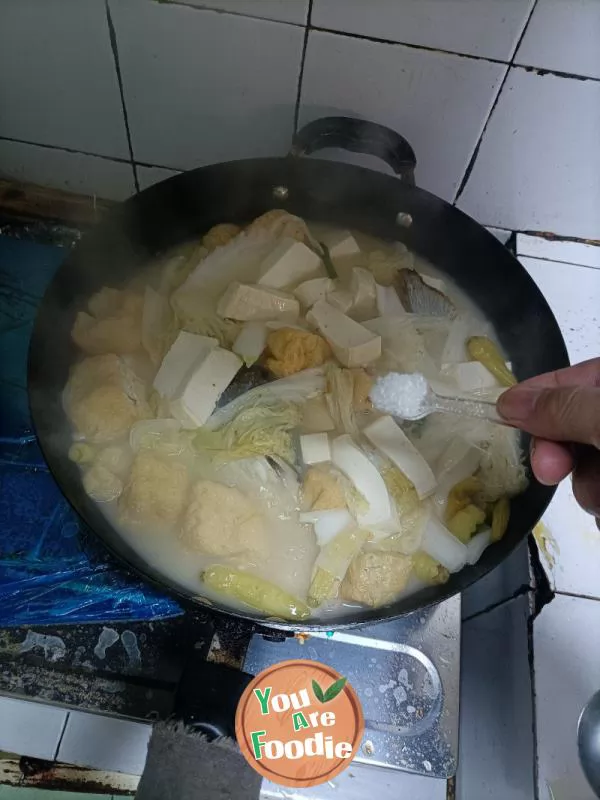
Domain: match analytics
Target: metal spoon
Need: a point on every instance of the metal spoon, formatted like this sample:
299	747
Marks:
588	741
389	395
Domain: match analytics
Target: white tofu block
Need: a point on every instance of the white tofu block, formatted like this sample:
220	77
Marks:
309	292
388	302
315	448
288	264
183	354
340	299
393	442
247	303
363	291
341	244
196	399
470	375
352	343
251	341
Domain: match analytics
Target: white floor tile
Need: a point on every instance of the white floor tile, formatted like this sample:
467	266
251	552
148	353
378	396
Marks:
563	35
501	234
58	83
148	176
202	87
72	172
485	28
566	657
586	255
439	102
496	747
538	165
574	296
294	11
30	729
107	743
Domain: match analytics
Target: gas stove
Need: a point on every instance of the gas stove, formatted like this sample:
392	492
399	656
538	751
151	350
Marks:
406	674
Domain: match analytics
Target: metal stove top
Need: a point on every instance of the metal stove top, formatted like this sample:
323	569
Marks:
406	673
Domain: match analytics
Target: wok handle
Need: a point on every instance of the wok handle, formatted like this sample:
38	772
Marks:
358	136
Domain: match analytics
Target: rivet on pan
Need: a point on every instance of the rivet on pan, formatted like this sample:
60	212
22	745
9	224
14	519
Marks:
280	192
404	220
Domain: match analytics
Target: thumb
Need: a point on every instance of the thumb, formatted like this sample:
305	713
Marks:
562	414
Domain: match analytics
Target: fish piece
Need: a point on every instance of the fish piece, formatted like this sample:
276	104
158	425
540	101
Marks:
419	298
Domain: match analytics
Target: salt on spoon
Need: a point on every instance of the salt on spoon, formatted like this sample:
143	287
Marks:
409	396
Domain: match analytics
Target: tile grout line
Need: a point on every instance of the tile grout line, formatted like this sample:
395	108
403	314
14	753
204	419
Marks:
581	596
523	589
302	63
61	735
71	150
228	12
471	163
115	51
556	261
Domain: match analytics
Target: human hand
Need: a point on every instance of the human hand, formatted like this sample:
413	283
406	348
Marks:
562	411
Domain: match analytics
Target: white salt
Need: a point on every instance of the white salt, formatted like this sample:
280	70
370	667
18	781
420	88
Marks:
401	395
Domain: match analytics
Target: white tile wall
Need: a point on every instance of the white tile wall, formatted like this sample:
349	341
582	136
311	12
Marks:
58	83
563	35
488	28
60	169
202	87
538	165
586	255
118	745
148	176
293	11
30	729
566	658
439	102
573	293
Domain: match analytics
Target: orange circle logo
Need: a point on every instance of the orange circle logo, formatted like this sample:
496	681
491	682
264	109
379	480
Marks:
299	723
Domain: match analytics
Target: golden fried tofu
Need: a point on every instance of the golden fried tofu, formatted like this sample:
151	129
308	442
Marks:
113	324
219	235
292	350
376	577
363	383
281	223
221	520
104	397
321	491
156	490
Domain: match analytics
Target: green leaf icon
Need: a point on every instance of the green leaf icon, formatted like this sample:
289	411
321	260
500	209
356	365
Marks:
318	692
335	689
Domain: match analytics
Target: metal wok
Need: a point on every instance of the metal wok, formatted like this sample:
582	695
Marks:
186	206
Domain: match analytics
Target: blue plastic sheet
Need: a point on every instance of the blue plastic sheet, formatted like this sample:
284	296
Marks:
52	567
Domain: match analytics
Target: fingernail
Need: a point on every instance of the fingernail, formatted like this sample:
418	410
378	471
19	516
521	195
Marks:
518	403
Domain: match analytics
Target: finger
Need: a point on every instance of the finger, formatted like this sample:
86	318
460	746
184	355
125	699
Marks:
585	374
551	462
564	414
586	482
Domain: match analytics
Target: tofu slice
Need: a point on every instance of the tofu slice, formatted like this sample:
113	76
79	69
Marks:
290	263
364	294
197	397
352	344
470	375
435	283
309	292
185	351
393	442
388	302
341	244
248	302
315	448
340	299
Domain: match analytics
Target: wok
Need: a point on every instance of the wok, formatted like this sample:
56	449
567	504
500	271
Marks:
187	205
